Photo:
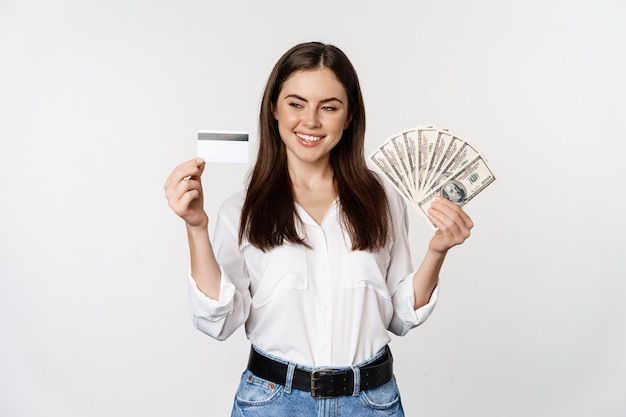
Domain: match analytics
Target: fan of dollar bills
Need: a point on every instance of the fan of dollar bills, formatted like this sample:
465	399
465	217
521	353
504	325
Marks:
424	162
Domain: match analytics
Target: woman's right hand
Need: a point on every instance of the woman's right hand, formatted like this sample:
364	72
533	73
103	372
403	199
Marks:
183	190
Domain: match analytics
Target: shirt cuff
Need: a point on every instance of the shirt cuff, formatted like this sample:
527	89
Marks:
425	311
203	306
409	315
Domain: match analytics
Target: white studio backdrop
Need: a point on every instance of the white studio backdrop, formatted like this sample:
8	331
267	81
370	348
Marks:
99	100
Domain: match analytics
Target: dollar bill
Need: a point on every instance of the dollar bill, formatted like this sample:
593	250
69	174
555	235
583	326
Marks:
463	186
396	150
381	160
439	148
411	146
462	157
427	140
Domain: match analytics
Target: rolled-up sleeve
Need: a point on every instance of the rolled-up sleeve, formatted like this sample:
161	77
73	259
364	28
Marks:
406	317
400	274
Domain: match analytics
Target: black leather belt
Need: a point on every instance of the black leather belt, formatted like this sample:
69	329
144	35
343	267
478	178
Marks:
324	383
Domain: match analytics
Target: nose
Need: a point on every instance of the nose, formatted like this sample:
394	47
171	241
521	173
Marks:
311	118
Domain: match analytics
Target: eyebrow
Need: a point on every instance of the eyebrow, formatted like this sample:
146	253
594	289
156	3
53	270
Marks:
326	100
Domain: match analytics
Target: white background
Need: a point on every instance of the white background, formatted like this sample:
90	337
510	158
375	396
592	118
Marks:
99	100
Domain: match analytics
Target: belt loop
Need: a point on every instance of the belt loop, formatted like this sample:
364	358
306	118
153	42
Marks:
356	371
289	379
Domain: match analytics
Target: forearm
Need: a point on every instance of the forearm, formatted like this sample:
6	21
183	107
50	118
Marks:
204	267
427	276
454	227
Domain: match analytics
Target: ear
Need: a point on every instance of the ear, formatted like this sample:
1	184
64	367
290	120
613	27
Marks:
273	109
348	120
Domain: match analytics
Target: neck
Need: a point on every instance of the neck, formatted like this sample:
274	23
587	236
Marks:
310	175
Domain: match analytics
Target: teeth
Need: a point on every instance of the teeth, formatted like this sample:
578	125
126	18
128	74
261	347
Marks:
309	138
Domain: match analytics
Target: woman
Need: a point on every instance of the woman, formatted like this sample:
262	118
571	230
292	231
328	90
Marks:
313	256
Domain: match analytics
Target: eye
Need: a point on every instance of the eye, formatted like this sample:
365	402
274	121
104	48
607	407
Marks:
329	108
295	105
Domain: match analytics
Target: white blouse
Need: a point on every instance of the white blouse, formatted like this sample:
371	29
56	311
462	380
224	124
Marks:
326	305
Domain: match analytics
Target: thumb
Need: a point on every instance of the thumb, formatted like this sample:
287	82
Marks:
201	164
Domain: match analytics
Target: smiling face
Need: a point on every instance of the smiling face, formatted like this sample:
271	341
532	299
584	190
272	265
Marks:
312	113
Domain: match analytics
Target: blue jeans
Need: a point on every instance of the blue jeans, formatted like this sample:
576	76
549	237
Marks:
258	397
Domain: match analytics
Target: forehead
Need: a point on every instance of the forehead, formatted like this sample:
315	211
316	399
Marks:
314	82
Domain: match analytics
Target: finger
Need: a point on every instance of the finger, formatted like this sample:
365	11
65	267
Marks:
201	165
186	202
175	193
453	223
182	205
452	210
191	168
181	175
448	227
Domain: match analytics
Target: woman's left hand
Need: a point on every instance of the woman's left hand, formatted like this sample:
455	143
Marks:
453	225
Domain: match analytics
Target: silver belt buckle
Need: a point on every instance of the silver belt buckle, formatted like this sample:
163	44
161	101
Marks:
314	378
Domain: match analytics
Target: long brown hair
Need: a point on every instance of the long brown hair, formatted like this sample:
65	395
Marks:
268	217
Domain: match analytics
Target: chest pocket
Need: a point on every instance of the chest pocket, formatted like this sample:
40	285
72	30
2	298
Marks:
362	269
274	273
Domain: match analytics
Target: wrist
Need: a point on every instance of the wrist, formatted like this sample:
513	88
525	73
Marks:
199	228
436	252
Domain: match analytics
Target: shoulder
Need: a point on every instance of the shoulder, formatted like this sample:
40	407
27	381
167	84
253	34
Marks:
230	210
235	200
